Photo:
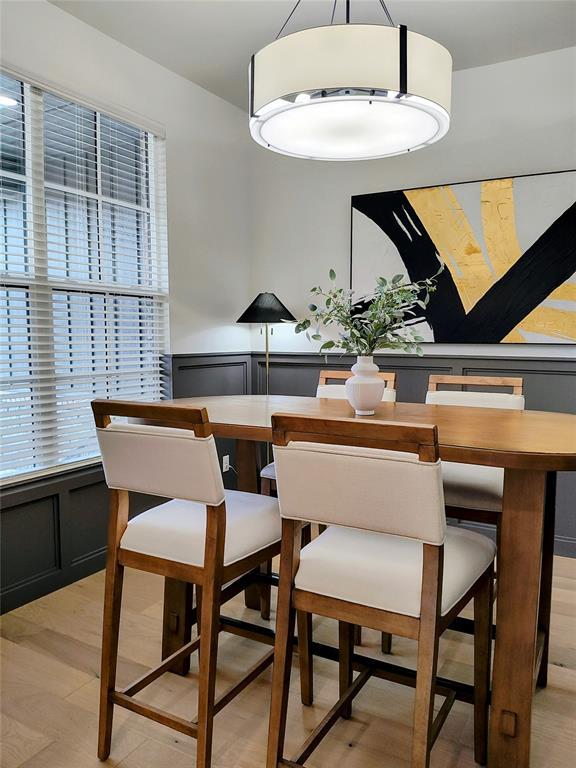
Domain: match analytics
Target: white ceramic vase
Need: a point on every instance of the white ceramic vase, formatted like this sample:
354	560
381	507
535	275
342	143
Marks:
364	390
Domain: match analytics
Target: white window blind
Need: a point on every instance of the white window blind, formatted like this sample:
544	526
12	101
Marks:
83	273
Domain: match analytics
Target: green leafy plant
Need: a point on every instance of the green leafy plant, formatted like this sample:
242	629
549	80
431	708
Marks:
380	320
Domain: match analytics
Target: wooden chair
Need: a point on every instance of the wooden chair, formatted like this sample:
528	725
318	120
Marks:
336	392
206	536
472	492
386	561
481	399
268	475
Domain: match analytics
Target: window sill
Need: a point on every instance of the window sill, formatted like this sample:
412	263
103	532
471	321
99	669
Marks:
28	477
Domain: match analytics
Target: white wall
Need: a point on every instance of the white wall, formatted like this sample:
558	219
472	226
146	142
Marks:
510	118
209	228
242	219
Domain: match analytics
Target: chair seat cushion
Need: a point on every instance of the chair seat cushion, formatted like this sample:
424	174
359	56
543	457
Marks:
382	571
472	486
176	529
269	471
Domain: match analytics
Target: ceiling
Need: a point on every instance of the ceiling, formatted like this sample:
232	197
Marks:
210	41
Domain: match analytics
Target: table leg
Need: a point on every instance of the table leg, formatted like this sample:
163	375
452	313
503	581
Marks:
247	469
519	566
177	621
247	465
545	608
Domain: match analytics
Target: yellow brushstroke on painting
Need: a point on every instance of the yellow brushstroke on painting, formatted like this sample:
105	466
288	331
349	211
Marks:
447	224
514	337
566	292
559	323
499	224
499	228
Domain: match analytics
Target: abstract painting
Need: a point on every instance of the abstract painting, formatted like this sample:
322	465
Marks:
508	247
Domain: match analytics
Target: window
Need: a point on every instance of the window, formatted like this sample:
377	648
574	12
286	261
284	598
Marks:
83	280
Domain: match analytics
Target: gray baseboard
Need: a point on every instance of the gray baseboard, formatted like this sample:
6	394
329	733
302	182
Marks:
54	528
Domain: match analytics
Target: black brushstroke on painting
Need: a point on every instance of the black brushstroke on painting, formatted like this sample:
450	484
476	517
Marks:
392	212
548	263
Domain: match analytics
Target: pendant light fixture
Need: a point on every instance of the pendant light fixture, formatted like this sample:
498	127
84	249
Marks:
350	91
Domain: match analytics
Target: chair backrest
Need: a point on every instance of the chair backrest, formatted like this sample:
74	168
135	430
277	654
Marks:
338	391
374	475
511	401
169	452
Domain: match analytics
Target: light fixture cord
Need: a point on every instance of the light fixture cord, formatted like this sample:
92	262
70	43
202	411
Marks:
333	12
387	12
288	19
348	2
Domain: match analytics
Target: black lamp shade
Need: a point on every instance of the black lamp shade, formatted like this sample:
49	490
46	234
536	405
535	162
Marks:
266	308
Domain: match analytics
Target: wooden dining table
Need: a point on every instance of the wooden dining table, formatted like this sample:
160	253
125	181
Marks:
531	447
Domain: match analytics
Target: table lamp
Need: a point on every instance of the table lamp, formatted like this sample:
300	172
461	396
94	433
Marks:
266	309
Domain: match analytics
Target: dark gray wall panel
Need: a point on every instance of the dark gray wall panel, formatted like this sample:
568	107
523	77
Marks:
86	524
412	380
30	542
197	375
549	384
289	379
566	514
54	532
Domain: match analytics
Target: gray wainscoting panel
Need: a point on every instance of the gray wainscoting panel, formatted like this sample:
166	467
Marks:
54	528
216	374
54	532
29	558
86	526
41	550
197	375
549	385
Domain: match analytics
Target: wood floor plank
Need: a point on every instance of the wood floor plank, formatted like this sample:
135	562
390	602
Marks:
80	618
152	754
565	566
49	696
21	665
59	754
68	726
18	742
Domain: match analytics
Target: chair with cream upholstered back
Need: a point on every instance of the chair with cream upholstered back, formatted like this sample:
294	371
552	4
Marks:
474	492
338	391
386	561
163	461
328	389
205	535
310	492
473	398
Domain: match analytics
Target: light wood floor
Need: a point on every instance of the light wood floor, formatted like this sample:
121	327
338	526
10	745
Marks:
50	661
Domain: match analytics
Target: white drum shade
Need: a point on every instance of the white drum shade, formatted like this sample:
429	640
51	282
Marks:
350	92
